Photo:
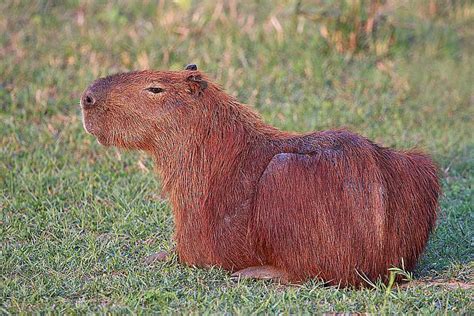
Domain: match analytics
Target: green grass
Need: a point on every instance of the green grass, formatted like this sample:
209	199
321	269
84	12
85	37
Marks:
77	219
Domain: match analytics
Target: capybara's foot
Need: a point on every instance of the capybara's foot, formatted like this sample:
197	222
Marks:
265	272
156	257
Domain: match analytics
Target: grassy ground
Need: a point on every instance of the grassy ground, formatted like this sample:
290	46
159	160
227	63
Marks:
78	219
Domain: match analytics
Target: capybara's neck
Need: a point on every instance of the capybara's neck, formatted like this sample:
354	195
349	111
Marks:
210	139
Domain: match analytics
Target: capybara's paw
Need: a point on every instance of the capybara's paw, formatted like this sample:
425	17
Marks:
156	257
265	272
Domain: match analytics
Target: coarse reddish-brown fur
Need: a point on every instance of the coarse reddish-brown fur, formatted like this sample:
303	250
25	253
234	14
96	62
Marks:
328	204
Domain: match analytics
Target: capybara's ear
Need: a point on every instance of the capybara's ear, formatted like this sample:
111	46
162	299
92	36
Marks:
196	84
191	67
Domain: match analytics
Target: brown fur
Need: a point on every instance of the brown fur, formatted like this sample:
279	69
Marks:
327	204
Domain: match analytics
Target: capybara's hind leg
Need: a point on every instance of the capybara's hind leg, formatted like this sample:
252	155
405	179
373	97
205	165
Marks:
265	272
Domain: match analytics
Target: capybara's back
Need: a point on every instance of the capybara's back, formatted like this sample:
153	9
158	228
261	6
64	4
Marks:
261	202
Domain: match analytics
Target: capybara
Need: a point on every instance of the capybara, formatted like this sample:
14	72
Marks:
261	202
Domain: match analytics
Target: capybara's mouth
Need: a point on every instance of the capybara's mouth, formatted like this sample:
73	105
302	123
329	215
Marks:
102	140
86	124
91	126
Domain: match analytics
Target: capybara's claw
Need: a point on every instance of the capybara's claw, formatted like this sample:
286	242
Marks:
265	272
156	257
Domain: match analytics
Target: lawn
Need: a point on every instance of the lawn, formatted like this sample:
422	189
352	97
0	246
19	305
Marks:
77	219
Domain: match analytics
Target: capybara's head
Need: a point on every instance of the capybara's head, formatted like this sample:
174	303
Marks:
125	109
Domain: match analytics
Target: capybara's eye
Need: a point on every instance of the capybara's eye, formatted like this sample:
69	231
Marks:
155	89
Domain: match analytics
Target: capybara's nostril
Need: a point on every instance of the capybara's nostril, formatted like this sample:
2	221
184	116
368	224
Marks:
88	100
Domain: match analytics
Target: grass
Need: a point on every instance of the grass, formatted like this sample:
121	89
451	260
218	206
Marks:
78	219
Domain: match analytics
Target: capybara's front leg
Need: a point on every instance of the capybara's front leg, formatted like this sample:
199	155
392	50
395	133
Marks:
265	272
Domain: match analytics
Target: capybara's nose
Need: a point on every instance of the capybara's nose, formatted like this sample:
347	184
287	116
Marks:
88	100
